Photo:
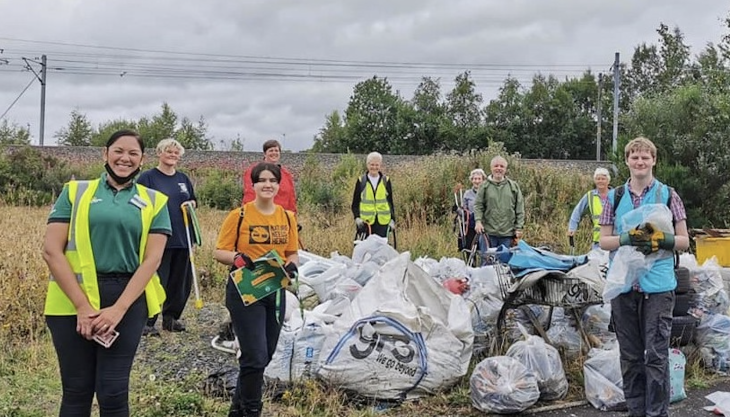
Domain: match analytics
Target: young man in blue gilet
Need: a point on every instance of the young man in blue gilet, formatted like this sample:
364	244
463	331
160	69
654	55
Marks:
643	315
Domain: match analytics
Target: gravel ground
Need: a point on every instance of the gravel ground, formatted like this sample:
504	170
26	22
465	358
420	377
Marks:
178	356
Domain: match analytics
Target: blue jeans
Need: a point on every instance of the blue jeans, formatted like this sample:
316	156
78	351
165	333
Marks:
88	368
257	327
495	241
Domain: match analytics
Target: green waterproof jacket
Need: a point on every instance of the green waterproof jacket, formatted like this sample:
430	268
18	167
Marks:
500	207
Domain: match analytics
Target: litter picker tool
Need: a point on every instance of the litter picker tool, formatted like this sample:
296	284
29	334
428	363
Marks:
189	210
391	232
476	250
461	223
571	241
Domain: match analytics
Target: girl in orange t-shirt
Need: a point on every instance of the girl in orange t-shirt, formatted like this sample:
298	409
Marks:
265	226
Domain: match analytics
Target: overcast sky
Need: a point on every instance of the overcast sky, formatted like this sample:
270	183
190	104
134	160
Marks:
274	69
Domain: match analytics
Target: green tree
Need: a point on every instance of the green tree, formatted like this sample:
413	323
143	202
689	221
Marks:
161	126
236	145
106	129
462	127
580	98
193	136
429	113
12	134
691	127
332	137
371	117
406	141
78	132
656	69
504	116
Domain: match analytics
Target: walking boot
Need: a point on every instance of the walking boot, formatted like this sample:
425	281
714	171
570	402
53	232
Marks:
235	411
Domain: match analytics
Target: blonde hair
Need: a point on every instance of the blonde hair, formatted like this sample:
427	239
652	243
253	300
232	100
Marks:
640	144
601	171
477	171
168	143
373	156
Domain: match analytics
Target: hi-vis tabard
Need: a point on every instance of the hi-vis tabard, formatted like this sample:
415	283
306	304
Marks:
596	208
374	204
81	258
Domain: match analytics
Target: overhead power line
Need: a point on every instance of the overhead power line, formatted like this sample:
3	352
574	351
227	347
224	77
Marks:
293	60
88	60
18	98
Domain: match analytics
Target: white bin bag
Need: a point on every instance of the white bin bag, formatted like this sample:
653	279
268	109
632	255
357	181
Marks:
403	336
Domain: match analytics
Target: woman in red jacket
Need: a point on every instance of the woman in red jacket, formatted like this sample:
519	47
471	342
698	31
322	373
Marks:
287	196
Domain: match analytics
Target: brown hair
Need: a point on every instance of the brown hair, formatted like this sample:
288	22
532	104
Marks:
271	143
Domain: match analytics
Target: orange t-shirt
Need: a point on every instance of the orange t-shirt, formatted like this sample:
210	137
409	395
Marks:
259	233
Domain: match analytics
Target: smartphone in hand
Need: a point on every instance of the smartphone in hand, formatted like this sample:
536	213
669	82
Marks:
106	340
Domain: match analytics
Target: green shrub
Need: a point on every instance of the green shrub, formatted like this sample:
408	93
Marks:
222	190
27	177
317	188
348	168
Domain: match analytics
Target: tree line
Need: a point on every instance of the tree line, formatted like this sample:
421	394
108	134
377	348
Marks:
549	118
680	101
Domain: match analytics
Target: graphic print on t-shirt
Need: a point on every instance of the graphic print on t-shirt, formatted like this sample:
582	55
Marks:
184	189
268	234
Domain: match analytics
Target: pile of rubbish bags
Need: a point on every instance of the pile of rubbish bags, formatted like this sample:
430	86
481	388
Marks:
390	328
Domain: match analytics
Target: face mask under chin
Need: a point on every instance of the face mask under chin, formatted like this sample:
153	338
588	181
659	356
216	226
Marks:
120	180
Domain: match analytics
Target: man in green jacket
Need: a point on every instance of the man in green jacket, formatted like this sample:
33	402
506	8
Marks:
499	209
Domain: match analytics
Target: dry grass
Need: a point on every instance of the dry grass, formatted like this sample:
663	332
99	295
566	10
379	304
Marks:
29	380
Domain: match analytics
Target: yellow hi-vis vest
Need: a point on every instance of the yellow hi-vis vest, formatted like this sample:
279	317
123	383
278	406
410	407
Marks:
81	258
374	204
596	208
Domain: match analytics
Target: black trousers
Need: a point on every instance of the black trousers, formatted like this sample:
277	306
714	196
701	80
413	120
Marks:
88	368
176	276
257	327
643	324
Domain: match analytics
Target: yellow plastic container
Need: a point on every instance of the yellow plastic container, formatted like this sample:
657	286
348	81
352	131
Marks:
707	247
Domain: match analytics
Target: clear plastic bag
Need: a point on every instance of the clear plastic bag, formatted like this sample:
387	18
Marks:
596	320
628	264
563	333
603	380
711	296
544	361
713	335
503	385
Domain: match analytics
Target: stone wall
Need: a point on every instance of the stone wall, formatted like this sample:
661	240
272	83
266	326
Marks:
293	161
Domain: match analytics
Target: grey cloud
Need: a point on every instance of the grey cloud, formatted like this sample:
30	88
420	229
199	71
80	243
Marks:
428	31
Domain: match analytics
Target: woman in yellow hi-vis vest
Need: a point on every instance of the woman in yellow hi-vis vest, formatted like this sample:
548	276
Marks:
594	200
372	201
104	242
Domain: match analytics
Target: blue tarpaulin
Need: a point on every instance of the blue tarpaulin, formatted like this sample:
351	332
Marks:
526	259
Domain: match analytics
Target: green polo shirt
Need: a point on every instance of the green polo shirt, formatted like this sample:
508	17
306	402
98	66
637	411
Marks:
115	226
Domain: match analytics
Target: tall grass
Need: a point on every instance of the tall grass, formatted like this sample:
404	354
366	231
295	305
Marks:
423	194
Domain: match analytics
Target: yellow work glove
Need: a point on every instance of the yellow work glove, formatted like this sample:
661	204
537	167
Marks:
658	239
